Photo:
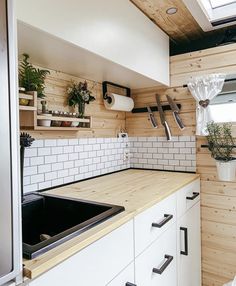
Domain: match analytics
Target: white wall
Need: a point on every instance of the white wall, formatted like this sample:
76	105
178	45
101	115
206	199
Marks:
114	29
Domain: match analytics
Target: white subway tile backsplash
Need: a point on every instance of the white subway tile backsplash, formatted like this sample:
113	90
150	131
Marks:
37	178
44	151
49	163
158	153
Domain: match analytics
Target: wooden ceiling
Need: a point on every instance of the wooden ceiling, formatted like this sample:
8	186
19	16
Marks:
181	27
184	32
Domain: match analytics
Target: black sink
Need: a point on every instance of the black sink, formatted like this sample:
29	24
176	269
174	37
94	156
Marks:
49	220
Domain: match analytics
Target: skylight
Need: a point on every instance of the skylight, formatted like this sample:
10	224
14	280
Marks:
220	3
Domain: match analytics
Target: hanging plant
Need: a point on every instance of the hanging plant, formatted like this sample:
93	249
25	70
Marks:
79	94
31	78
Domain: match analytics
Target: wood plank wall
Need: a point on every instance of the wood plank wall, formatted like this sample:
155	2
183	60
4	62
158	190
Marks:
218	201
105	123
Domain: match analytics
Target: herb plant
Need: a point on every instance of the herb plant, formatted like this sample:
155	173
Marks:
31	78
220	141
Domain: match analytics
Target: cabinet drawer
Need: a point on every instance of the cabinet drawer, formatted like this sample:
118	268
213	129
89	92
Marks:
150	224
96	264
125	278
155	259
187	197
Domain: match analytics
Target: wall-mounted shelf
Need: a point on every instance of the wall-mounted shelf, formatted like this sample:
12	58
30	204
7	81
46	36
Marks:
27	108
29	120
153	108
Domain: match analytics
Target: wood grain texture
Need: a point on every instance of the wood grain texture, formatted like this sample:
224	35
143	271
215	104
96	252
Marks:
218	199
214	60
136	190
106	123
179	31
137	124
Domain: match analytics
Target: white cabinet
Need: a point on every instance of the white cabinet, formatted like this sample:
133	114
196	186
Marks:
157	264
150	224
189	247
96	264
125	278
139	253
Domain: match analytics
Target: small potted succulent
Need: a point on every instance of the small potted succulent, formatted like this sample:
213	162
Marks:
79	94
221	145
31	78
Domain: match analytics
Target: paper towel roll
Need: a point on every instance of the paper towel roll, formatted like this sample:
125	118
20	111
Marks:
118	102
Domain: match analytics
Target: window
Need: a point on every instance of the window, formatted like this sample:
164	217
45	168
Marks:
223	106
220	3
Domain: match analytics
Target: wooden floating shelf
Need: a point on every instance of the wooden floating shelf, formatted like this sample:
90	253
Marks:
58	118
27	108
26	96
42	128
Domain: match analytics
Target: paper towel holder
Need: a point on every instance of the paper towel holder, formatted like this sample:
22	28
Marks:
104	90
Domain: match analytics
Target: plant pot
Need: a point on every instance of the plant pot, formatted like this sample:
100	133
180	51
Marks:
226	170
45	122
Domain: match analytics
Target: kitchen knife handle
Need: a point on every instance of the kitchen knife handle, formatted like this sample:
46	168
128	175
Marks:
167	131
153	120
178	120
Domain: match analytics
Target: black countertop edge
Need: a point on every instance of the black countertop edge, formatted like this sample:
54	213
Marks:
71	183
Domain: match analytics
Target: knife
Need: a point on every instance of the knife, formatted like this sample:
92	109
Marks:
175	110
152	117
163	120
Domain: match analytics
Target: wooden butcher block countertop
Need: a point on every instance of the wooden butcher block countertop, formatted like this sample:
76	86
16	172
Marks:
136	190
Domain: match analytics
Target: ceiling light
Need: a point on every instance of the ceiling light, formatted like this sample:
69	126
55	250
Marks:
171	11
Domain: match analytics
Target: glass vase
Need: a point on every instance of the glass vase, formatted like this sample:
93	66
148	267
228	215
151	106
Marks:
81	109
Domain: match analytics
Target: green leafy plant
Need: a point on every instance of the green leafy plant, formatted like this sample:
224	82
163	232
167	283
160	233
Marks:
31	78
79	94
220	141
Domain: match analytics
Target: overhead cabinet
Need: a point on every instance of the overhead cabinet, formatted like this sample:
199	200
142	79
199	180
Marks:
111	34
160	246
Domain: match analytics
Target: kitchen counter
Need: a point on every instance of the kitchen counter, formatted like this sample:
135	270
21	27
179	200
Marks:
136	190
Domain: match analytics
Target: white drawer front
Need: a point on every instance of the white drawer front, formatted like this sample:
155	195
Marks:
97	264
145	231
187	197
125	278
154	257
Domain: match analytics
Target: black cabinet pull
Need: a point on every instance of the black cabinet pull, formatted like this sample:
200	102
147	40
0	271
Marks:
164	266
185	252
194	196
130	284
167	217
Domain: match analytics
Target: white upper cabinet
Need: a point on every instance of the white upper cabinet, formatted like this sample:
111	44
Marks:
112	29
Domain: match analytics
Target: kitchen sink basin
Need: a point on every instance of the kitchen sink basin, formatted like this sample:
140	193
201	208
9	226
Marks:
49	220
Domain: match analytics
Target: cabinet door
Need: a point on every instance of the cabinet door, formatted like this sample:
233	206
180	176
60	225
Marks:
157	264
189	248
96	264
125	278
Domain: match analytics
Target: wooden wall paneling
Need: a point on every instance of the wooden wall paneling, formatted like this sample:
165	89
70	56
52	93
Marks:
137	124
220	59
106	123
218	201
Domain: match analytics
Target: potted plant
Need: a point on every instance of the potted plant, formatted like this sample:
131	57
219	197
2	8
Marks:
79	94
221	145
31	78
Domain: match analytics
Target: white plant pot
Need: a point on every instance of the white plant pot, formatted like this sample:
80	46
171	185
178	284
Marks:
226	170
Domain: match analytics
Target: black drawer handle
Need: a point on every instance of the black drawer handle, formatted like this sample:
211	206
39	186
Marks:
194	196
130	284
167	217
164	266
185	252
